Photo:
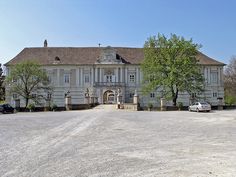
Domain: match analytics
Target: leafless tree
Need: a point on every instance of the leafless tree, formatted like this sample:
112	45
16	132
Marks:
230	77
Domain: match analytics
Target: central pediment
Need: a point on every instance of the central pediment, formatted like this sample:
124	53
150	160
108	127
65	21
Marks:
109	56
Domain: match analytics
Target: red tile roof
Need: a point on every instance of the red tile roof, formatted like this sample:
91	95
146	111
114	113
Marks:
87	55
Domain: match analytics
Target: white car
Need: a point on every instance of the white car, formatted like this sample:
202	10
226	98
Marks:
200	106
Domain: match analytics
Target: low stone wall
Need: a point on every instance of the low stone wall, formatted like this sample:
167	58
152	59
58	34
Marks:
229	107
72	107
133	107
83	106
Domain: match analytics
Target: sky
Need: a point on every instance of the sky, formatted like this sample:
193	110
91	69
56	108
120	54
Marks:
117	23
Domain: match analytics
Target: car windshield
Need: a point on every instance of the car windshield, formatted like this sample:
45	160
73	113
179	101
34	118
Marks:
204	103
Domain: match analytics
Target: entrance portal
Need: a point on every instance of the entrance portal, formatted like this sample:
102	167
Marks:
108	97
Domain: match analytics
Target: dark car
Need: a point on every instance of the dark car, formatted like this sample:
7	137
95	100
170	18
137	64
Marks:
6	108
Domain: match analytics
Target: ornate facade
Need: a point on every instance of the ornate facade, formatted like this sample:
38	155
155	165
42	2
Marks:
99	72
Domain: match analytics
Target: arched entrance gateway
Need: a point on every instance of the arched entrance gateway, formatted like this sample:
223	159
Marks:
108	97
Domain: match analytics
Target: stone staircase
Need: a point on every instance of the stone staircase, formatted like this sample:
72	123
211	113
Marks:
106	106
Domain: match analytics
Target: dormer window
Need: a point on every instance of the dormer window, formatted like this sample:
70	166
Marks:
109	56
57	58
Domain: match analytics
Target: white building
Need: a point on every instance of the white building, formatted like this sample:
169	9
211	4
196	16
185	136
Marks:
101	71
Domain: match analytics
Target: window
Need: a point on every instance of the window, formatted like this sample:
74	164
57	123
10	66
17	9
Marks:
108	56
49	79
131	78
14	96
67	78
152	95
193	95
33	95
131	95
215	94
49	96
109	78
214	77
86	78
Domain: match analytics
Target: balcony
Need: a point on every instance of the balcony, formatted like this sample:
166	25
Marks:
109	84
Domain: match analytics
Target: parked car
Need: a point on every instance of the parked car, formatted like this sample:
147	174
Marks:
6	108
200	106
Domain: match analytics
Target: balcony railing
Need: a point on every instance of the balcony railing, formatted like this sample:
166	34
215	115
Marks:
109	84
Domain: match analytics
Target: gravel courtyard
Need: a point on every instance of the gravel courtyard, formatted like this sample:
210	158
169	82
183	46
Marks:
102	143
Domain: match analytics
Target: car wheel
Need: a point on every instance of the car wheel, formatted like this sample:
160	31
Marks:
197	110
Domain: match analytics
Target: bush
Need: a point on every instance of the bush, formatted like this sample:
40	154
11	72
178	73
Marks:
150	106
180	105
230	100
54	107
31	106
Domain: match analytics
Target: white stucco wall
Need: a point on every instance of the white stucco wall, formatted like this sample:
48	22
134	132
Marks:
77	86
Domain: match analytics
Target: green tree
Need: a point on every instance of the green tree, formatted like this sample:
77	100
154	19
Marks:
26	79
171	65
2	87
230	81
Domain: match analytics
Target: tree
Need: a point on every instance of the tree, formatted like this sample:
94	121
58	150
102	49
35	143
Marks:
171	65
230	81
26	79
2	88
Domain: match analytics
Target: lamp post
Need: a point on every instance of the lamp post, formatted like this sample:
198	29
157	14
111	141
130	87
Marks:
87	97
68	101
119	98
48	101
163	101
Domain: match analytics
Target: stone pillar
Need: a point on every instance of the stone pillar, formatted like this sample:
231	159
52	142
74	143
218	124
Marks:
136	97
100	80
163	104
119	98
81	77
92	74
17	104
136	101
96	75
119	101
220	103
219	76
121	74
137	76
116	73
209	75
47	105
68	103
58	77
92	100
77	77
126	75
140	76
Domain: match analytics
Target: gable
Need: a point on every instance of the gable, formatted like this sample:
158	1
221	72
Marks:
109	56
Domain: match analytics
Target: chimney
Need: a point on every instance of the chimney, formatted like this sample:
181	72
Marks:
45	43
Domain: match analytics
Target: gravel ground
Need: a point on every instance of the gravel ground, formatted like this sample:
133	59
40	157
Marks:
102	143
